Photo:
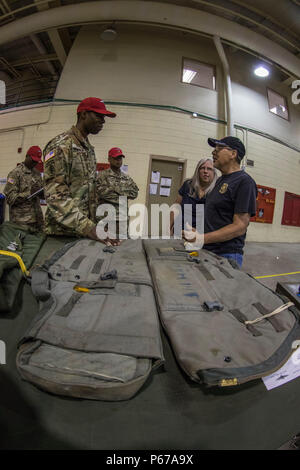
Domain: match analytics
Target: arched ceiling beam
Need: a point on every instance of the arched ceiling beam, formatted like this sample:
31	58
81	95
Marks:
256	23
55	37
153	13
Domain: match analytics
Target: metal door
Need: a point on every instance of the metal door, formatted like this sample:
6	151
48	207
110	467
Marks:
166	175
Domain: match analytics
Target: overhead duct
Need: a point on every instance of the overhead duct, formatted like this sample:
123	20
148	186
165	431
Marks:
227	85
134	11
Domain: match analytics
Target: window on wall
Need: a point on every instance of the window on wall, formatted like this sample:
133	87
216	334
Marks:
199	74
278	104
291	210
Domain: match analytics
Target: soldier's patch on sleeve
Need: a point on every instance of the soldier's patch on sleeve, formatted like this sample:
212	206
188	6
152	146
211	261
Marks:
11	180
49	155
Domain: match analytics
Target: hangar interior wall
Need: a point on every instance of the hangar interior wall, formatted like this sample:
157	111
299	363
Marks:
145	67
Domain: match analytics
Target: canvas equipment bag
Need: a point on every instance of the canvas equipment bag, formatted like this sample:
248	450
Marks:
204	303
97	332
15	240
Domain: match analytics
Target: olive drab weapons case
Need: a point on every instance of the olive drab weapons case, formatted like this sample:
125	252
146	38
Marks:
97	332
15	240
204	303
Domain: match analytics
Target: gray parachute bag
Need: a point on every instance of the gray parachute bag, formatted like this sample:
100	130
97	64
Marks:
97	332
204	304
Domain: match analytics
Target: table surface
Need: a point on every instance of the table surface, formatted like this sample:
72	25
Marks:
169	412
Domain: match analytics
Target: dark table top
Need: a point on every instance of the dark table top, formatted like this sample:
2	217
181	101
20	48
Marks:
169	412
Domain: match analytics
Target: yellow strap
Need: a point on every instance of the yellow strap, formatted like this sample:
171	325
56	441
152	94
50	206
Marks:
275	275
81	289
194	253
18	258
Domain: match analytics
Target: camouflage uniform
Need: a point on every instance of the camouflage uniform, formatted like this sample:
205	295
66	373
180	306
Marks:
21	183
111	185
69	183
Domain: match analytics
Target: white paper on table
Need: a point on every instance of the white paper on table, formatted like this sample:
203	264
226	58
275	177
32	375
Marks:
166	181
164	191
155	177
289	371
153	189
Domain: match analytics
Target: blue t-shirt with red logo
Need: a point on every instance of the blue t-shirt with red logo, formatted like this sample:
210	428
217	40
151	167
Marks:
233	194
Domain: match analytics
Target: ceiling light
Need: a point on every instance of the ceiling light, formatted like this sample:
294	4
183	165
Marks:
261	71
108	34
188	75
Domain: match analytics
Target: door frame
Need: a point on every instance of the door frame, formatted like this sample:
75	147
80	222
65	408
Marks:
164	158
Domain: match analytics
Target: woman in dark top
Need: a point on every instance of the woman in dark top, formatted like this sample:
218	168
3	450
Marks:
194	191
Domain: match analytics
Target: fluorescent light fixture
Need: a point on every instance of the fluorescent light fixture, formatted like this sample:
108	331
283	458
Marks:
188	75
261	71
274	110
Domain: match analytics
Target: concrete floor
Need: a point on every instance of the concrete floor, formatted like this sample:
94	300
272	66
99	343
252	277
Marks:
262	259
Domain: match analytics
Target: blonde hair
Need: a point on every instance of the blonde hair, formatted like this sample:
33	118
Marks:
194	182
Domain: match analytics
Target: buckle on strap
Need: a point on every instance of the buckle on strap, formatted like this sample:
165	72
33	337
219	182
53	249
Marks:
212	306
109	249
109	275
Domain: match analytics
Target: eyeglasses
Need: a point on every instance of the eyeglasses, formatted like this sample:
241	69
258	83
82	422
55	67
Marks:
218	149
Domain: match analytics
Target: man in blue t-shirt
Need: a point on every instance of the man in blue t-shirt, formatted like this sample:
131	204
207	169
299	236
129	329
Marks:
230	204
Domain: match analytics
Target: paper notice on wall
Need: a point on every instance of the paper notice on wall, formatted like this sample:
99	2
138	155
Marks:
124	169
164	192
155	177
288	372
3	180
153	189
166	181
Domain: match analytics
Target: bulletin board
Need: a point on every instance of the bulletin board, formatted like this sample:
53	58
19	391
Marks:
265	203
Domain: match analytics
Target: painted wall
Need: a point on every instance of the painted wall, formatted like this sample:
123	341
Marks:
143	132
278	167
140	66
250	103
145	67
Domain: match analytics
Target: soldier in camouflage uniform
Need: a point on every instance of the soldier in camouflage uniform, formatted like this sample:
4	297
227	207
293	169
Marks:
70	174
113	183
22	182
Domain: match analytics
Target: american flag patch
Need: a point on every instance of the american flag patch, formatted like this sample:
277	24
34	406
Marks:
49	155
10	180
